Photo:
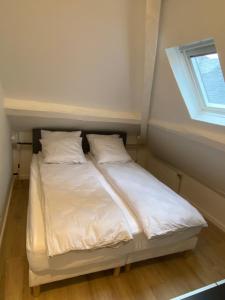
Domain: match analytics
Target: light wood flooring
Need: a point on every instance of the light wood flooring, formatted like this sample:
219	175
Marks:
157	279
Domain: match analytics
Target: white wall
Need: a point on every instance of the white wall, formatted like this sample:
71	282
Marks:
5	158
194	147
208	201
86	53
81	61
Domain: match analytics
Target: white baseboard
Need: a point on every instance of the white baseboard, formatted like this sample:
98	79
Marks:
2	229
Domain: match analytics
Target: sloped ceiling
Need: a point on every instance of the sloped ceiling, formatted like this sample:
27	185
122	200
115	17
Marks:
196	148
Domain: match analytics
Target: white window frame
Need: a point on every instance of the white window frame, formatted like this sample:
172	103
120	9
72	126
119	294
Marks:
201	48
189	84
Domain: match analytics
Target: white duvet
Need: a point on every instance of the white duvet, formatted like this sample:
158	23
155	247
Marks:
159	210
79	214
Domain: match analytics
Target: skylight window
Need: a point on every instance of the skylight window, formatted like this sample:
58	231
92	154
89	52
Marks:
208	71
210	77
200	78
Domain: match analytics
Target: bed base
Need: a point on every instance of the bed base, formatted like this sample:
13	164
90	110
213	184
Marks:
35	280
36	290
116	272
127	267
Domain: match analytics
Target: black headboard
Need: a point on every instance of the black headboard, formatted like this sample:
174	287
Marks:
86	148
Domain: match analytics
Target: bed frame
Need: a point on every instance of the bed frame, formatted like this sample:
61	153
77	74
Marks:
36	280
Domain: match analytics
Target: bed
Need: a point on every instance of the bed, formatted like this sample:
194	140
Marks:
44	268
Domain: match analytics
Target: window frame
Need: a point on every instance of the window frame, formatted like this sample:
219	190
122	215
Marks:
200	49
188	84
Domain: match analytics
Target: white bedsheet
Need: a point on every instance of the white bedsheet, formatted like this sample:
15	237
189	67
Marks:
36	242
39	261
79	214
159	210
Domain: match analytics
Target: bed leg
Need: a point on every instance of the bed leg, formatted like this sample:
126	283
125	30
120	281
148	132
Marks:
36	290
116	272
127	267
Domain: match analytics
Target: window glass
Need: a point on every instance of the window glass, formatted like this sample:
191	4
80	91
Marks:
210	76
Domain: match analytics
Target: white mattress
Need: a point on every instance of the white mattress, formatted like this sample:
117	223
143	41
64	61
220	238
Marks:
36	246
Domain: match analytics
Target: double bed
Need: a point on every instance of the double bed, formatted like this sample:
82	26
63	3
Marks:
117	181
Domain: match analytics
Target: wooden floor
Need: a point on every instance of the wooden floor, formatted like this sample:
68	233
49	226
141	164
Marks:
153	279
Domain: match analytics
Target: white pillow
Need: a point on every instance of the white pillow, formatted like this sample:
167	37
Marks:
108	149
46	134
63	150
92	137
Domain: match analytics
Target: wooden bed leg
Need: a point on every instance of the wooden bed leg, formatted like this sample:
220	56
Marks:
127	267
116	272
36	290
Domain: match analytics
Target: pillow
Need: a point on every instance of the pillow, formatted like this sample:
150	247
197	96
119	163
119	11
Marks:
92	137
108	149
63	150
46	134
